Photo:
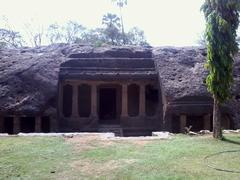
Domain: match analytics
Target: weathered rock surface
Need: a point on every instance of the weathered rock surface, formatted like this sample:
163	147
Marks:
28	78
182	75
181	71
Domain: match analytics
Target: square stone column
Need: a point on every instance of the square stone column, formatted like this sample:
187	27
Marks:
142	104
53	124
124	101
1	124
94	101
183	122
38	124
16	124
207	122
60	99
75	101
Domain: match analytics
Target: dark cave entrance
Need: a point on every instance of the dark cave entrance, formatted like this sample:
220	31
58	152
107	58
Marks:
27	124
45	125
108	106
8	125
196	122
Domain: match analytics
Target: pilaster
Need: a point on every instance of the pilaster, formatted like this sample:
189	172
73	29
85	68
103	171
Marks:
183	122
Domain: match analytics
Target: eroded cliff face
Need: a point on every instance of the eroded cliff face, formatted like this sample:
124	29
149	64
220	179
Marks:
181	71
182	75
29	76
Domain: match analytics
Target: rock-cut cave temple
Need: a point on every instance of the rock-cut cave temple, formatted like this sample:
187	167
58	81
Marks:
127	90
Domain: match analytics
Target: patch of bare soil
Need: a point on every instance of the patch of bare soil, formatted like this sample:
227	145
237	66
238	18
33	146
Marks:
141	142
82	143
87	167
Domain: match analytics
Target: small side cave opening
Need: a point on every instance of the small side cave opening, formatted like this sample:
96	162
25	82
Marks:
45	124
196	122
27	124
8	125
227	122
176	124
152	100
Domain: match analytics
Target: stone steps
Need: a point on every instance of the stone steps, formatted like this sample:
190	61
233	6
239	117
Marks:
116	129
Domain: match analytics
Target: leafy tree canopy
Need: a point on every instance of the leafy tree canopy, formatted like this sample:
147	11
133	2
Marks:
222	22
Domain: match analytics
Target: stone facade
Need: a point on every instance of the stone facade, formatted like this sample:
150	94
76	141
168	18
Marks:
115	94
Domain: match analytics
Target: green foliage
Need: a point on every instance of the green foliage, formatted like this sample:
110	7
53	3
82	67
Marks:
109	33
136	36
10	38
120	4
112	29
94	37
71	32
222	18
54	34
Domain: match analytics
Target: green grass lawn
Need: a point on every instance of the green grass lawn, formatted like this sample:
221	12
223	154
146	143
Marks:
181	157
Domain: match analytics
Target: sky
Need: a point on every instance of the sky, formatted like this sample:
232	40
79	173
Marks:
165	22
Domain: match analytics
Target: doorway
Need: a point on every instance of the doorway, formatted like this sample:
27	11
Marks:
27	124
8	125
108	106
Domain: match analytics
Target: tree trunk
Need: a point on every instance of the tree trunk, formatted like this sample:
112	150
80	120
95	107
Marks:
217	132
123	33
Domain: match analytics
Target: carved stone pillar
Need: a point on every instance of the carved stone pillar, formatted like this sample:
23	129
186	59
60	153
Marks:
38	124
75	101
53	124
94	101
124	101
207	122
1	124
16	124
142	104
60	99
183	122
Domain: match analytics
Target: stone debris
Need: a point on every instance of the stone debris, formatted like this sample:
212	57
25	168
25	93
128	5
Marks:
191	133
230	131
104	136
109	135
203	132
67	135
162	135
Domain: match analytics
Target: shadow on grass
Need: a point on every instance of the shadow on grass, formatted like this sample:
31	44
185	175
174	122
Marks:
231	141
